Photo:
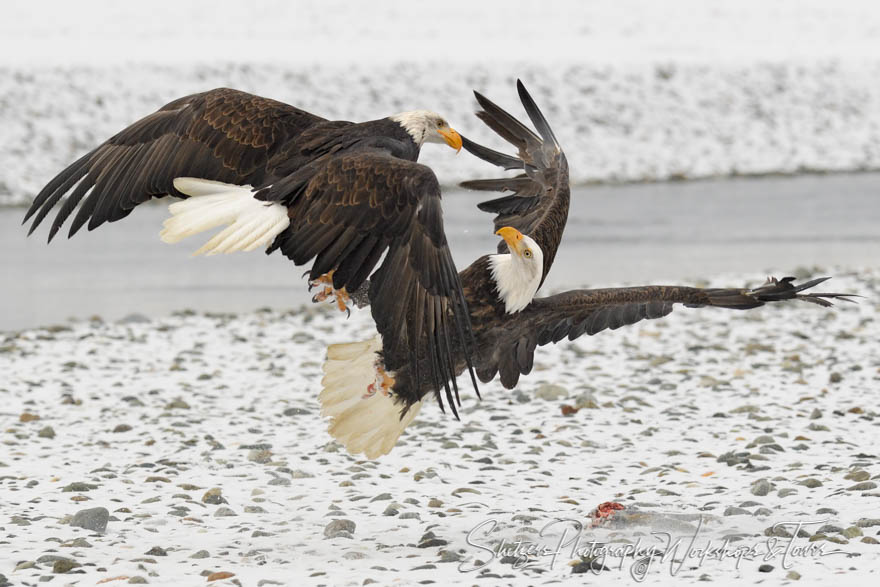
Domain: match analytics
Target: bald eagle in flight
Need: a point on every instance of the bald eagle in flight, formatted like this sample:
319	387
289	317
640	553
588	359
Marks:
345	196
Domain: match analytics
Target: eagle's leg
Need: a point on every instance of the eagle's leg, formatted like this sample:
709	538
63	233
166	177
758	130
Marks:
340	296
382	384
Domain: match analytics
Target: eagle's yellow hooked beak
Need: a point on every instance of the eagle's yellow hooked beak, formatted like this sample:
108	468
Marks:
452	138
512	237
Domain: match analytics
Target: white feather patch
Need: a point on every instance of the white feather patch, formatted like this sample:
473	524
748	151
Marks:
363	423
252	223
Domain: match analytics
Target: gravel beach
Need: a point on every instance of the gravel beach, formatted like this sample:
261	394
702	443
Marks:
190	449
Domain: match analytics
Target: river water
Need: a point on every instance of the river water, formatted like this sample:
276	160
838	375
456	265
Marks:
635	234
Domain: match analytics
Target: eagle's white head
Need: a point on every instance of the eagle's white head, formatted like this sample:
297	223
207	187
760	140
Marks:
517	274
425	126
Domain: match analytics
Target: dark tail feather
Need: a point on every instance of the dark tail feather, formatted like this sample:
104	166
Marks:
773	290
492	156
511	129
507	205
535	114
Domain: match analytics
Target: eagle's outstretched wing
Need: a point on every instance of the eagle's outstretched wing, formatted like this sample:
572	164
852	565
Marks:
589	311
223	135
539	203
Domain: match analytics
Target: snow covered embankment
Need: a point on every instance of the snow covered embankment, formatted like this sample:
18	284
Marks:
627	122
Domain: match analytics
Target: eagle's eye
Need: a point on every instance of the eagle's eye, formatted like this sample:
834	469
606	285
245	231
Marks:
527	253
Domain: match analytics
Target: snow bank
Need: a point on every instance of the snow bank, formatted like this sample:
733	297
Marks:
635	91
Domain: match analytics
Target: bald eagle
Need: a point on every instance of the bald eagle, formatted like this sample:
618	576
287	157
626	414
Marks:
349	197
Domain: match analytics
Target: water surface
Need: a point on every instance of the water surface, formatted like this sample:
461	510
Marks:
637	234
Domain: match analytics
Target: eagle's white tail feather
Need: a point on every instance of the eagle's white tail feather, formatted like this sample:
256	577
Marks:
252	223
362	422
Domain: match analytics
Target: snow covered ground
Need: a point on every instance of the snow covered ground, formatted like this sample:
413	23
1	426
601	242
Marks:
635	90
201	437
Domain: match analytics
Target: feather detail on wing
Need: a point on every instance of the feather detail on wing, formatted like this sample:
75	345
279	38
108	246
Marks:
538	205
222	135
578	312
349	210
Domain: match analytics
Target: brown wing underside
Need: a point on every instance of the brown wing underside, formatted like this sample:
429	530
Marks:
575	313
223	134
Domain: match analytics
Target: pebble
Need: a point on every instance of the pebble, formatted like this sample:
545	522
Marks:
157	551
811	483
339	527
864	486
551	392
94	519
213	496
224	512
765	568
735	511
64	565
761	487
200	554
46	432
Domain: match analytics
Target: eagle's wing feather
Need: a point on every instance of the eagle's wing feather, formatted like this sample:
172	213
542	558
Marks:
348	211
223	135
578	312
540	196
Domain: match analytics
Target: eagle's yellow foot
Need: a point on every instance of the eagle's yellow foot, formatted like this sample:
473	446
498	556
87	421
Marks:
382	384
340	296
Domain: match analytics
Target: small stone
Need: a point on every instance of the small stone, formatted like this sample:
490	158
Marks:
761	487
765	568
121	428
793	576
829	529
220	575
811	483
46	432
864	486
857	476
870	540
137	580
94	519
157	551
28	417
551	392
213	497
435	503
338	526
835	377
296	412
224	512
815	414
786	492
391	511
254	509
449	556
177	404
200	554
382	497
64	565
867	522
260	456
78	486
735	511
852	532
